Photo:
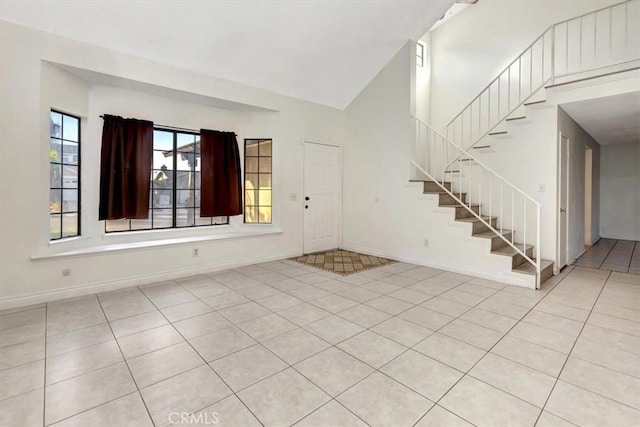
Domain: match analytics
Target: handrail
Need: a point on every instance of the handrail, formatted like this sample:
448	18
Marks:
497	175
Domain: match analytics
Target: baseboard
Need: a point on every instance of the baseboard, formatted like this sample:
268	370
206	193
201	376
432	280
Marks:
93	288
440	265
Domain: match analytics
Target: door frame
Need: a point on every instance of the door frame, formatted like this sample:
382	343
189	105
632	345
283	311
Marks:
563	169
588	195
303	143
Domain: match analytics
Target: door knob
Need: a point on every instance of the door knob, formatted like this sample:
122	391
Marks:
306	198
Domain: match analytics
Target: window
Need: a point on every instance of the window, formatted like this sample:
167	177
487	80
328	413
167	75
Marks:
257	181
419	54
175	186
64	176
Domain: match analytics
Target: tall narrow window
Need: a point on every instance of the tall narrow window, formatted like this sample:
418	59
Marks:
175	186
419	54
64	176
257	181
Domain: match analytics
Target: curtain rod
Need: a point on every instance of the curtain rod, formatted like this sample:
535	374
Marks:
174	127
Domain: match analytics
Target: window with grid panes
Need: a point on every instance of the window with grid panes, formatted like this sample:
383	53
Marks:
175	186
64	176
257	181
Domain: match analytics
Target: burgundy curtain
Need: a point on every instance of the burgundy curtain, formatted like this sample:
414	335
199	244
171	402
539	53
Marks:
221	186
125	169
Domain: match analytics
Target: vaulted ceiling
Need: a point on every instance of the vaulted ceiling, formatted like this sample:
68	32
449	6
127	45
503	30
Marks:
324	51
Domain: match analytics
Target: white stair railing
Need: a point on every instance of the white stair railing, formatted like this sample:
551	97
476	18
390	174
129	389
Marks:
602	38
492	199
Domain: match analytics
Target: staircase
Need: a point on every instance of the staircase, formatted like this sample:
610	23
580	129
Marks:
448	163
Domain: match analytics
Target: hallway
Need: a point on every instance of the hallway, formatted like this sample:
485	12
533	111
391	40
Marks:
615	255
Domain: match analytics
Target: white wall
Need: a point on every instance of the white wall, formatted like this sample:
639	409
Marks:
471	49
30	87
579	140
620	191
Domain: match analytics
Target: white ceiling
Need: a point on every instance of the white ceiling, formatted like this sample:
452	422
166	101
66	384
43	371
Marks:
609	120
324	51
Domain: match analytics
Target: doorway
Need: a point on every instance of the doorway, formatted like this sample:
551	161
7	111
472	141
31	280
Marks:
322	197
588	196
563	201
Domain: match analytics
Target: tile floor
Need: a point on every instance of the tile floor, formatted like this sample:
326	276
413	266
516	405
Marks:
280	344
615	255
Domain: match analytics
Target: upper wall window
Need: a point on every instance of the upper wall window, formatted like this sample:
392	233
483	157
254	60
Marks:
257	181
419	54
175	186
64	176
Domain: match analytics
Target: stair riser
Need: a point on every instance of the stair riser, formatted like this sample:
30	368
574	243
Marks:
497	242
479	227
518	259
462	212
432	187
446	199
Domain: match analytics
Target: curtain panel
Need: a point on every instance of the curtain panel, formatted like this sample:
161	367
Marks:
125	168
221	185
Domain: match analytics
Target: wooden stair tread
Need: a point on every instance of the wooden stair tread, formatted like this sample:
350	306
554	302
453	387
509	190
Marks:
428	180
457	205
528	268
509	251
474	219
490	234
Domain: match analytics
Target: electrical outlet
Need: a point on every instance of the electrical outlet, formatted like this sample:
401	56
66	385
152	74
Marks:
196	252
66	272
426	243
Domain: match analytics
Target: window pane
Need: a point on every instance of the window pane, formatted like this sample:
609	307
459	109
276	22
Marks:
69	201
265	180
56	124
250	197
185	180
55	152
117	225
219	220
251	181
55	227
251	164
185	199
162	140
186	160
162	179
55	201
70	152
197	161
251	148
202	220
162	218
264	214
265	164
70	128
141	224
250	214
70	176
197	179
264	197
186	141
55	176
197	198
69	225
162	160
162	198
265	147
185	217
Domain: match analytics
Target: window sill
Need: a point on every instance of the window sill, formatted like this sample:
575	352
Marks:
131	246
67	240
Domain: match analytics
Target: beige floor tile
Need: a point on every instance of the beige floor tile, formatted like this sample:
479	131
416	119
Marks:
188	392
611	339
139	323
472	334
334	303
169	298
426	318
79	339
229	412
605	356
333	370
462	297
120	311
67	321
283	399
296	345
161	364
555	323
246	367
422	374
331	414
259	292
147	341
389	305
279	302
21	334
221	343
75	395
544	337
445	306
185	311
489	320
614	323
371	348
243	312
127	411
304	314
549	420
21	379
381	287
450	351
402	331
25	410
532	355
523	382
381	401
226	300
266	327
22	318
333	329
584	408
605	382
411	296
307	293
364	316
80	362
483	405
120	296
19	354
360	295
503	308
440	417
201	325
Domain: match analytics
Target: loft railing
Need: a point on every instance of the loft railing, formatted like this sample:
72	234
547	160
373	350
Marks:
602	38
491	198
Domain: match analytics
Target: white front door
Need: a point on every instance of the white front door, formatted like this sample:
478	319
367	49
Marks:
321	197
563	202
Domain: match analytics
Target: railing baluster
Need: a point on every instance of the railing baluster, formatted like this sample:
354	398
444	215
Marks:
501	211
513	212
525	225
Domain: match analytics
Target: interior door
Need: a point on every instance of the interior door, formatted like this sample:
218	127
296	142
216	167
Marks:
321	197
563	202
